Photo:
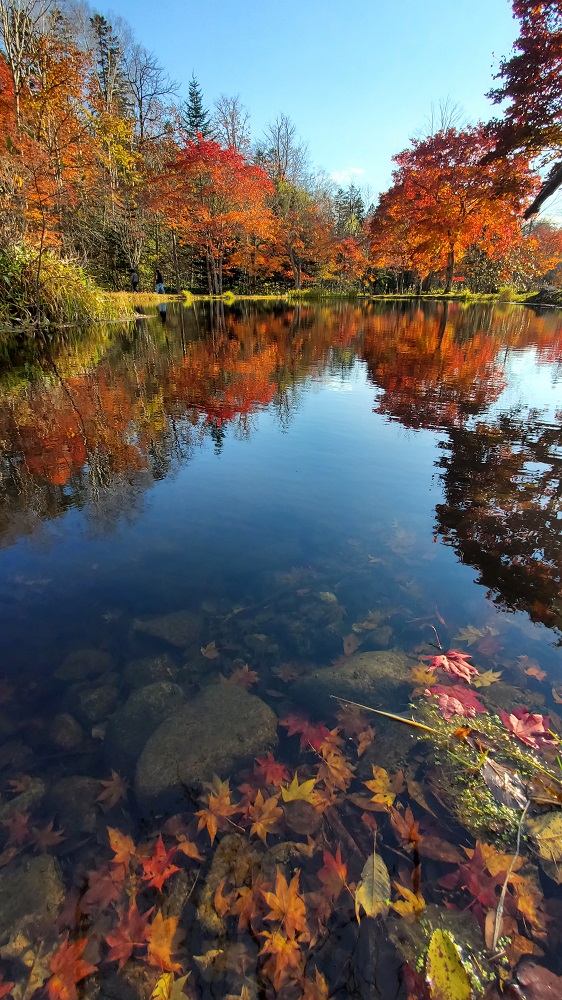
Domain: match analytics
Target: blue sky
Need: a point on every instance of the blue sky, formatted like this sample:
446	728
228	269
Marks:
358	77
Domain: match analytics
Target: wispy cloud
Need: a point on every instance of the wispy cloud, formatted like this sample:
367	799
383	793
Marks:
348	175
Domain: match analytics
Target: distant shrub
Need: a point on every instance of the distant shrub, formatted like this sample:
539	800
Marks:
54	291
507	294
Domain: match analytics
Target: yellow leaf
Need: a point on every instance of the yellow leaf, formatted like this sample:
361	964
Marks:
444	971
328	597
380	787
169	988
411	904
487	678
373	889
295	791
470	634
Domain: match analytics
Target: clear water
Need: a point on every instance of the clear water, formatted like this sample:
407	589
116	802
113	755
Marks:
405	459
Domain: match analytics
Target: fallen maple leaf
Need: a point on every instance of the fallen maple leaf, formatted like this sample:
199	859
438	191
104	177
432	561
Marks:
122	846
453	662
264	815
243	677
5	988
311	734
47	837
68	968
286	905
271	770
129	934
333	874
411	904
285	959
486	678
163	939
535	671
529	727
218	809
158	868
296	791
113	790
104	887
315	989
380	786
456	700
210	652
422	677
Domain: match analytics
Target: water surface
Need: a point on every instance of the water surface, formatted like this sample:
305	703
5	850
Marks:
279	474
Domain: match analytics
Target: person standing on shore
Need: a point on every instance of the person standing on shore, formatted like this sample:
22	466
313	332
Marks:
160	290
134	280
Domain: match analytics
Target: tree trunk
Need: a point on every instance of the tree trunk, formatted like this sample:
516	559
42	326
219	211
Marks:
450	270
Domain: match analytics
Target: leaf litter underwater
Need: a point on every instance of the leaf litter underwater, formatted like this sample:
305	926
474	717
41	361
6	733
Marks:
308	793
409	854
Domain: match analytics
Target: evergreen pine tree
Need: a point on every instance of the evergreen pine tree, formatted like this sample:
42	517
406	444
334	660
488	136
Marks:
194	117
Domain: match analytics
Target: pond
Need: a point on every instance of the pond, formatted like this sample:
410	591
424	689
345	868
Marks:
215	523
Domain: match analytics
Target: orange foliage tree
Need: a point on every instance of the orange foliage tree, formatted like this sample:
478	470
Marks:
444	200
216	201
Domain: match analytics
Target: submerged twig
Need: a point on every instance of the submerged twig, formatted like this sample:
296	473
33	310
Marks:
499	911
387	715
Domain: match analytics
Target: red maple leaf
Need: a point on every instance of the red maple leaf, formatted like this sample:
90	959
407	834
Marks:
456	700
5	988
129	934
311	734
453	662
157	868
68	968
529	727
333	873
270	770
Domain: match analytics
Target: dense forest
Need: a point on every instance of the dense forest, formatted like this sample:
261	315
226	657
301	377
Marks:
103	162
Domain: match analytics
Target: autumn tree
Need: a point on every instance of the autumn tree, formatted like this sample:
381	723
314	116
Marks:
531	83
215	200
446	200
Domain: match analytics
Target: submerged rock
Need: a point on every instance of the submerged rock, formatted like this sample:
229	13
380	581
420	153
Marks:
381	678
95	704
74	802
31	892
179	628
131	726
213	734
65	731
83	663
149	670
25	801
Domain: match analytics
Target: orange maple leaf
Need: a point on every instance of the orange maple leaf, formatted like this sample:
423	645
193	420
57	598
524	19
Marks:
271	770
285	958
122	846
264	814
68	968
113	791
287	905
333	873
158	868
243	677
162	941
218	808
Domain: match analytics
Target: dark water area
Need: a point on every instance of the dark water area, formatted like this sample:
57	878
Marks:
212	521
